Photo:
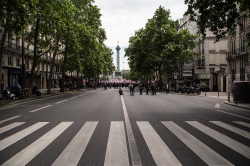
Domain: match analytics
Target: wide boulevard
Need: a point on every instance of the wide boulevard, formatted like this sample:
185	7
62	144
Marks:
100	127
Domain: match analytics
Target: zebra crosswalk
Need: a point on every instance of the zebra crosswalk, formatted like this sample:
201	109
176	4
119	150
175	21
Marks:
117	151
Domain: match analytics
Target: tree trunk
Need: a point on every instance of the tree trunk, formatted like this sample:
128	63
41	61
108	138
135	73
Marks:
35	56
52	67
4	36
64	68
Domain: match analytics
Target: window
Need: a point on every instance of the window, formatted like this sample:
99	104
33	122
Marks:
242	24
242	70
202	51
42	66
17	62
211	70
242	44
10	62
233	70
57	68
232	47
27	64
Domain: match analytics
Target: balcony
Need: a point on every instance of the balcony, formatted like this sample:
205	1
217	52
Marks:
17	48
237	53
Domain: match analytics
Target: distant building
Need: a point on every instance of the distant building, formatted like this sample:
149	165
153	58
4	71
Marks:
238	53
210	65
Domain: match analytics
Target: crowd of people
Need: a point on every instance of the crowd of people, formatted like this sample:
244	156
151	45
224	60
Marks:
148	87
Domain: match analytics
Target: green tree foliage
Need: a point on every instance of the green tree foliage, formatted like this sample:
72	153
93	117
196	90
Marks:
14	17
70	29
158	48
218	16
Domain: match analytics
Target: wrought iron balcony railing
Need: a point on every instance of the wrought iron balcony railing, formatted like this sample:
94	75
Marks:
17	48
237	52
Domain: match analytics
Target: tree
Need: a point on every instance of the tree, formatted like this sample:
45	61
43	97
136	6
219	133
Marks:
220	17
14	17
158	48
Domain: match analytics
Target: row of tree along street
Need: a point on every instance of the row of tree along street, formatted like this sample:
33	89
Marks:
159	49
70	29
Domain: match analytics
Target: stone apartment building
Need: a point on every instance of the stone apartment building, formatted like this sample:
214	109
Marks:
210	66
12	65
238	53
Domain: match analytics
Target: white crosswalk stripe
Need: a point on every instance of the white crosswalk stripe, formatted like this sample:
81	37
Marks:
243	123
204	152
10	119
10	126
117	152
234	145
233	129
73	152
27	154
18	136
159	150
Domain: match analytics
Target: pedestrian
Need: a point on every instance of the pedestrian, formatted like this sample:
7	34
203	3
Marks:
147	88
140	88
167	88
131	89
120	91
152	88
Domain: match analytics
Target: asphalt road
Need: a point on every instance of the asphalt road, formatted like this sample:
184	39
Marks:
100	127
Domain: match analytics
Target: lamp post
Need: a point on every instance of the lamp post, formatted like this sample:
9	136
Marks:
123	70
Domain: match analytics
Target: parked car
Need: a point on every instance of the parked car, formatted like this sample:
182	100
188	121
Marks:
203	88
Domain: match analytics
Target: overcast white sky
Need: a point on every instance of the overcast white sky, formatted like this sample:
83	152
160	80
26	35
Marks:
121	18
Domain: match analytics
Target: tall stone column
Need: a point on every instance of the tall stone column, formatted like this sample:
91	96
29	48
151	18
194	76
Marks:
118	58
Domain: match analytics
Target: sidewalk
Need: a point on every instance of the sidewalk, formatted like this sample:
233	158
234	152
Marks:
54	92
224	96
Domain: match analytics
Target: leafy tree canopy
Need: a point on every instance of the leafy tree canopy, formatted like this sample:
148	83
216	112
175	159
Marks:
219	16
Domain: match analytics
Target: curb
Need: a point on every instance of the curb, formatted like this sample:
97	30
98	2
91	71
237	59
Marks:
34	99
237	105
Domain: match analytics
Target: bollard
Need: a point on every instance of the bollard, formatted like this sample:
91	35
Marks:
205	93
218	92
229	97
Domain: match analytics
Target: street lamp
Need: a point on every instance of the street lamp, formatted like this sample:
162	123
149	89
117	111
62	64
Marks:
123	70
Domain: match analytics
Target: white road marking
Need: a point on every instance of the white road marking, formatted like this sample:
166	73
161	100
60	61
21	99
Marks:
233	114
10	126
135	158
236	130
74	97
200	149
41	108
242	123
161	153
217	105
21	134
234	145
26	155
73	152
10	119
117	153
61	101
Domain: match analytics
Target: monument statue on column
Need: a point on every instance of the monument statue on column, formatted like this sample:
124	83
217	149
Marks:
118	72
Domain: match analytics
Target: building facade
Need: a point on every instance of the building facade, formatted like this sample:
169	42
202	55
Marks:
12	65
238	53
210	66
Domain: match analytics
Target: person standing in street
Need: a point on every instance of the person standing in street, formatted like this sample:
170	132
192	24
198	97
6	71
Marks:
147	88
140	88
153	88
131	89
167	88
